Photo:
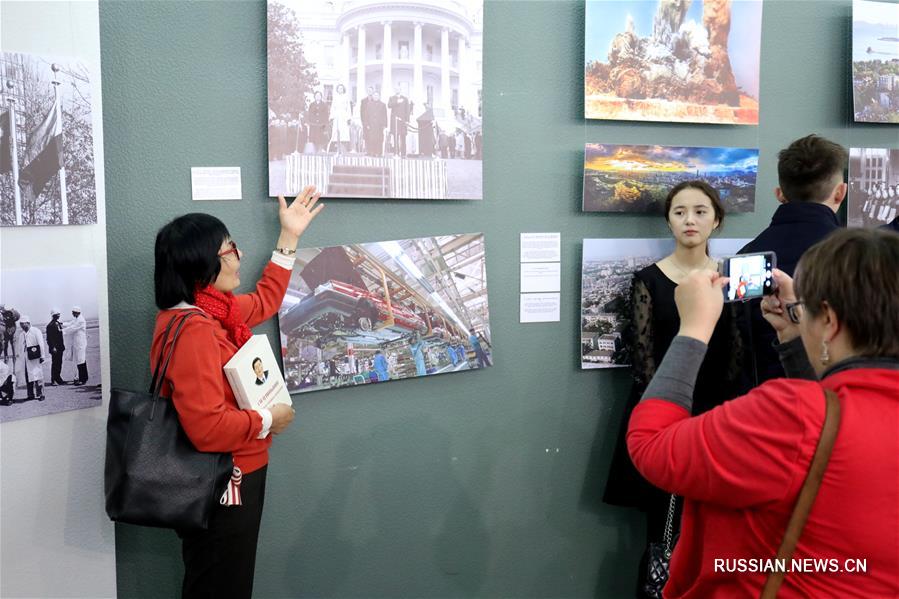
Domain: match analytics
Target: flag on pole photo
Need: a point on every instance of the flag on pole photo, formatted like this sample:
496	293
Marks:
43	153
47	157
5	143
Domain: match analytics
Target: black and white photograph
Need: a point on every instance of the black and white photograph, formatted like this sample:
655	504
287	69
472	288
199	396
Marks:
607	271
46	141
50	354
368	313
376	99
873	187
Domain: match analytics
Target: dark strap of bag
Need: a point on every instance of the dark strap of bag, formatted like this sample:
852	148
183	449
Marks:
162	365
808	492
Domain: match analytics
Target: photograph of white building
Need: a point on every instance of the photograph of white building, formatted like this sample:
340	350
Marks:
374	99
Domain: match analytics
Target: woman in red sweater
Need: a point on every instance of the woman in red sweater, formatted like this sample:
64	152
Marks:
741	465
198	268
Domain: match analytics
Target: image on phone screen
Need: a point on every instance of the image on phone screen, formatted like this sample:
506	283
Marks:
750	277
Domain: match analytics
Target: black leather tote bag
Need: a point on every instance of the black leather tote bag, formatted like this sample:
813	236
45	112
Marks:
154	475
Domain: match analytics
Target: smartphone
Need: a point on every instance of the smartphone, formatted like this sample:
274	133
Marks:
751	275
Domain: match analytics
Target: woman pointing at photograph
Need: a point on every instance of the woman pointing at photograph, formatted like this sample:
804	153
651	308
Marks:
198	269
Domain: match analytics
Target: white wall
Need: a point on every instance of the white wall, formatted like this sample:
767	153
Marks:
55	538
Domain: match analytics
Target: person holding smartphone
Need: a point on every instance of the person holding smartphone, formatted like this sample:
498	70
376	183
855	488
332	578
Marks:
693	211
740	466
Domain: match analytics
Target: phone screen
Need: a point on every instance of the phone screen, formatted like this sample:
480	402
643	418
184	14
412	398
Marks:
750	276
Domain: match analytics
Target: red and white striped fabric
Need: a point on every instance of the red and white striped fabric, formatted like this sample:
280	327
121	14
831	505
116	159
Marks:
231	496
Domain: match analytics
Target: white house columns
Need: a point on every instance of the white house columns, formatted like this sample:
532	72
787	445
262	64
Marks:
417	55
360	64
445	66
465	99
345	60
418	95
387	57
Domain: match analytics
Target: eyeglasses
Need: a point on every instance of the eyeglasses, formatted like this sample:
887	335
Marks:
233	250
794	311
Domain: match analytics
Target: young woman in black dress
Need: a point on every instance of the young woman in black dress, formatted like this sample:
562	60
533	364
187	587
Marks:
693	211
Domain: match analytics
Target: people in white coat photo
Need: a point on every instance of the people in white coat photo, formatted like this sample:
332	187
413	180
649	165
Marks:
75	335
33	350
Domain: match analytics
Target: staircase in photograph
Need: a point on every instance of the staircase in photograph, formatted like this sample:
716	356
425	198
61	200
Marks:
358	181
348	176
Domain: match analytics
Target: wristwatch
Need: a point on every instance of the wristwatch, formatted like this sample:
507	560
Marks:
286	251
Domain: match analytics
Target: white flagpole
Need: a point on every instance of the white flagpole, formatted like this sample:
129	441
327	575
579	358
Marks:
15	155
62	167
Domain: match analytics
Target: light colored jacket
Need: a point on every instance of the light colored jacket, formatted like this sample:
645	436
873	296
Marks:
75	334
34	368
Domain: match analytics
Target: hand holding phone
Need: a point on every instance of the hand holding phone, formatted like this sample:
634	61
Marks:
751	276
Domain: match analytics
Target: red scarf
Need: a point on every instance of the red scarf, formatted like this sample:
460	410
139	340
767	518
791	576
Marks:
224	308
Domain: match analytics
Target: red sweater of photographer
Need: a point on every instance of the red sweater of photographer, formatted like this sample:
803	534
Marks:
196	381
740	468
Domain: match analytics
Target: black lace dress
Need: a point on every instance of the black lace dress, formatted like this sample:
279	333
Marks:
654	325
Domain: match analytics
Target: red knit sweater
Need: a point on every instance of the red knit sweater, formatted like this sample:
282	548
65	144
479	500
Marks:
740	468
197	384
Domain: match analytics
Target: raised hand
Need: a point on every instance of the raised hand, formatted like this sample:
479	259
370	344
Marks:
297	216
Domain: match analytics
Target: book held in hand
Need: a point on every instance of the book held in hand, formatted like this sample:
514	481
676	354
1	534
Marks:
255	377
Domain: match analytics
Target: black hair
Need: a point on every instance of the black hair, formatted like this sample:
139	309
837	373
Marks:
253	363
186	257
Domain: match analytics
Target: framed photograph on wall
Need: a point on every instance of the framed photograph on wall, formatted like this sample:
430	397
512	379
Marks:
627	178
607	271
50	335
376	99
46	141
875	61
873	187
368	313
669	60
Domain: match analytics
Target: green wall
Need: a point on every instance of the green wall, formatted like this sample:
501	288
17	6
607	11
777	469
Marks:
479	484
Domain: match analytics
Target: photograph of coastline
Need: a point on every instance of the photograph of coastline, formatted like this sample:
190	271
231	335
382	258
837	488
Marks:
673	60
875	61
626	178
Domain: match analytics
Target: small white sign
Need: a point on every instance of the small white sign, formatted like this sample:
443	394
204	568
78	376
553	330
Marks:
215	183
541	247
540	307
540	276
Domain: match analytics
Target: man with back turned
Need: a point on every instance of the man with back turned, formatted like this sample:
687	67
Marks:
811	188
